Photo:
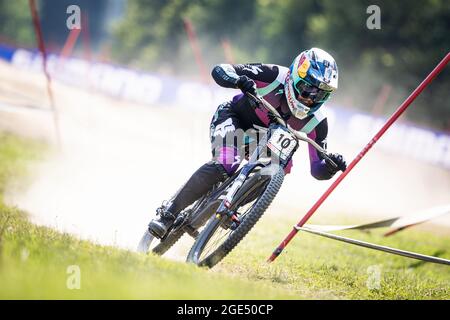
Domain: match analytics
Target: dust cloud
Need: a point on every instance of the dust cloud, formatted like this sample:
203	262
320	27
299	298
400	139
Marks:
119	161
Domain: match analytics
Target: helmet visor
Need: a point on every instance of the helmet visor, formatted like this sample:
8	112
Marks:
308	91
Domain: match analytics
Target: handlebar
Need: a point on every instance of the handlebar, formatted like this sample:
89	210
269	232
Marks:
261	101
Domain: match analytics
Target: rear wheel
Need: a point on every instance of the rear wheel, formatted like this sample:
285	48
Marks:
150	243
201	210
217	239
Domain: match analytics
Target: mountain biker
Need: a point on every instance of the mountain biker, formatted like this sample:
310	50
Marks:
296	92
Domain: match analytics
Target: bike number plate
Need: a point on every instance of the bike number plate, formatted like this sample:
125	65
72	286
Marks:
282	143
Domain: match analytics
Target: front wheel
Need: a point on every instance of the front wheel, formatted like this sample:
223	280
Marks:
255	196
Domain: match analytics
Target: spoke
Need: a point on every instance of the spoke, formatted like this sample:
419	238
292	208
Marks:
247	209
215	241
220	235
214	244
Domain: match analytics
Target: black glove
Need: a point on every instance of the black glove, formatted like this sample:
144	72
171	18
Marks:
246	85
338	160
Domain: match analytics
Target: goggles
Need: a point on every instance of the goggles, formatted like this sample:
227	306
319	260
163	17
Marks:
306	90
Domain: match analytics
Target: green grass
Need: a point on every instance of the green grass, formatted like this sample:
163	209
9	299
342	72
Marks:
34	261
15	155
35	264
315	267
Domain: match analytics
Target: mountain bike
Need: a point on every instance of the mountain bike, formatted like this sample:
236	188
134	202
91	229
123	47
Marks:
231	209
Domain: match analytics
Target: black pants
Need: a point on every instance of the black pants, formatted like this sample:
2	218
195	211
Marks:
198	184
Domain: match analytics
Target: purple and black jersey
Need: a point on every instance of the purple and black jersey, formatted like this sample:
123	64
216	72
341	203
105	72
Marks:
240	114
234	124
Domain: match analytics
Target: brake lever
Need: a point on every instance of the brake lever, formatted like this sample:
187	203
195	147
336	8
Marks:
255	99
331	162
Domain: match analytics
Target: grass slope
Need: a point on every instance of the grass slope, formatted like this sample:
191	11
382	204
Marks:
35	261
315	267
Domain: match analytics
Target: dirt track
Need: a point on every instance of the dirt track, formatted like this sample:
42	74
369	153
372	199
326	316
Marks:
120	160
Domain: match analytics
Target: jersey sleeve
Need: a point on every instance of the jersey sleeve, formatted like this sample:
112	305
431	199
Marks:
319	169
227	75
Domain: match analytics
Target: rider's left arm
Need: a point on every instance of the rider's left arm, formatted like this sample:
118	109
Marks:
319	168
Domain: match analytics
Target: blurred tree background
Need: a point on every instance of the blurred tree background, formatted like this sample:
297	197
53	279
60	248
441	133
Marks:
15	23
414	36
151	35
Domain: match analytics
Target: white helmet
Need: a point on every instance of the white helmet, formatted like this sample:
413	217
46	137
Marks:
310	80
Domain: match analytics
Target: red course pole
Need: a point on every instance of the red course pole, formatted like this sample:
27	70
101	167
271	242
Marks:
196	48
377	136
40	41
381	100
228	51
70	44
86	36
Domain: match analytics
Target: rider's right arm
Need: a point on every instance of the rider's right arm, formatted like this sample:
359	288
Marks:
227	75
